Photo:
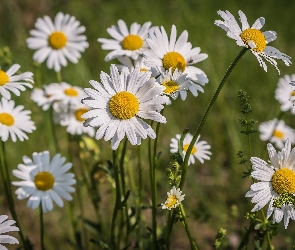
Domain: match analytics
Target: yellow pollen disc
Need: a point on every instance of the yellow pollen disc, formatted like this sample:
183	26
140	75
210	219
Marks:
4	78
124	105
171	201
132	42
71	92
57	40
171	87
146	70
174	60
185	147
292	94
79	113
255	36
6	119
44	181
283	180
278	134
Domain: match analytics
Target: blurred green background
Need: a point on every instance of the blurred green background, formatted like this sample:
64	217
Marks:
214	190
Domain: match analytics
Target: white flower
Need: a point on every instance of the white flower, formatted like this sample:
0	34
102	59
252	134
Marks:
132	64
276	183
120	101
174	83
5	227
276	132
64	95
252	38
14	83
167	53
284	92
44	180
174	197
14	121
126	43
200	149
57	41
74	122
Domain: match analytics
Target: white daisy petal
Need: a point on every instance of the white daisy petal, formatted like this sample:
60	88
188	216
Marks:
50	180
252	38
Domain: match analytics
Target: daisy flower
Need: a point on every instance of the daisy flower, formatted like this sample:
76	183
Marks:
165	54
15	122
276	132
64	95
126	43
252	38
174	197
175	83
284	92
120	101
5	227
132	64
276	183
44	181
74	122
57	41
14	83
200	150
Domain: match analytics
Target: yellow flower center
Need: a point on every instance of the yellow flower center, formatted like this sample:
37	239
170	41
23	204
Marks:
71	92
292	94
278	134
57	40
255	36
171	201
185	147
44	181
79	113
132	42
124	105
171	87
4	78
146	70
6	119
283	180
174	60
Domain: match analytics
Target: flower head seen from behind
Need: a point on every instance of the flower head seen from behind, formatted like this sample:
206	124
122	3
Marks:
200	150
120	102
126	43
15	122
14	83
284	92
57	41
167	53
175	83
276	132
252	38
44	181
5	227
174	198
276	183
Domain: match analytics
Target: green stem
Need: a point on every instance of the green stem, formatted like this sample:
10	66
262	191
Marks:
154	187
123	185
58	76
184	223
53	130
41	226
201	124
8	193
267	232
117	201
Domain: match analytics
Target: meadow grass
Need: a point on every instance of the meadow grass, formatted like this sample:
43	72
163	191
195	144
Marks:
215	191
